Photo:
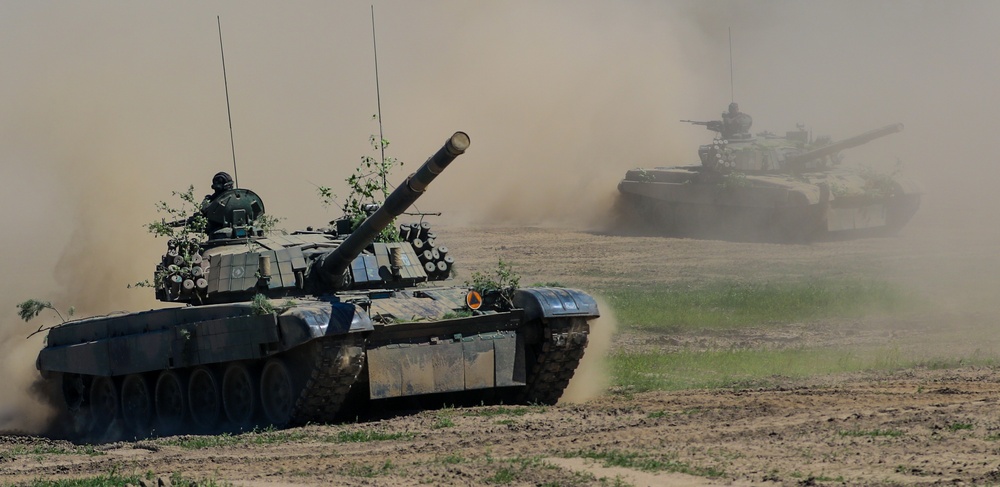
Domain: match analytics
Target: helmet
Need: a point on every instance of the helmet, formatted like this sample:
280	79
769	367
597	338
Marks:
734	107
222	181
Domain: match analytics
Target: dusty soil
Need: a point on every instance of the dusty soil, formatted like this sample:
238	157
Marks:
912	427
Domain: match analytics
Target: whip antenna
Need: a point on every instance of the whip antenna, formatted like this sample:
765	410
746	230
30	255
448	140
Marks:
732	97
232	143
378	100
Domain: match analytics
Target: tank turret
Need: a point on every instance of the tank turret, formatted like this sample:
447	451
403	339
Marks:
238	261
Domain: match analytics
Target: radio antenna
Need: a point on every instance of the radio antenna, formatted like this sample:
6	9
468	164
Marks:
378	101
232	143
732	96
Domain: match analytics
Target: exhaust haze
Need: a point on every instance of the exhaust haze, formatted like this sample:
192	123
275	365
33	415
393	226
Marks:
110	106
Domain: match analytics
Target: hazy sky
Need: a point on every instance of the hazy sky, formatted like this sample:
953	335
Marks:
108	106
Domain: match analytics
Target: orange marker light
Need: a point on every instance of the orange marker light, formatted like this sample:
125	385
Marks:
473	300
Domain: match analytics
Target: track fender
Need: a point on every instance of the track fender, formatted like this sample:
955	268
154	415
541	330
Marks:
554	302
309	321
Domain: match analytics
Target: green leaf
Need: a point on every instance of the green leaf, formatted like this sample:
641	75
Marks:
29	309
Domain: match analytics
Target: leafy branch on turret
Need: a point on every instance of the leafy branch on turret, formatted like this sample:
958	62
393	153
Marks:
368	187
185	227
183	222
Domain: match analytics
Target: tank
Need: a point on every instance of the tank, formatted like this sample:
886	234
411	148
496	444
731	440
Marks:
290	329
772	188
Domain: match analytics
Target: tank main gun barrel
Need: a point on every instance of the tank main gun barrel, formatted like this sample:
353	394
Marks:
332	265
844	144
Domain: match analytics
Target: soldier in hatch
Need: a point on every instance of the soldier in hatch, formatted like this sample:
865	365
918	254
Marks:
735	124
221	183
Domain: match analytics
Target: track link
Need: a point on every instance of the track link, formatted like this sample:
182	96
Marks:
336	363
562	347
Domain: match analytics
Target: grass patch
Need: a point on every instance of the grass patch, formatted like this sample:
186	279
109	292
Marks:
725	305
19	450
367	471
271	436
202	442
452	459
513	468
491	412
908	470
647	371
443	422
959	426
548	284
505	475
645	462
115	479
364	436
104	480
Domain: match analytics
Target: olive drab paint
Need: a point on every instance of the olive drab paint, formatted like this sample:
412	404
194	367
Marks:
283	329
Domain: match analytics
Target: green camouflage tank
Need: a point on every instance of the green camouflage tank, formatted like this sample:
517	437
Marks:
289	329
769	187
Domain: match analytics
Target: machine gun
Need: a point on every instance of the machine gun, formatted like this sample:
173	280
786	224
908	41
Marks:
714	125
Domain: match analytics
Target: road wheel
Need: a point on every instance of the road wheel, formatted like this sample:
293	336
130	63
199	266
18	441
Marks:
239	397
204	398
170	404
137	405
103	404
277	392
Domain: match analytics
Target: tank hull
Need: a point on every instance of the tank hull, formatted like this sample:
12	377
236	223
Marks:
692	201
224	368
291	328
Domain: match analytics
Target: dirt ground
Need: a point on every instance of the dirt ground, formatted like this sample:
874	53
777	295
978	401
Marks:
912	427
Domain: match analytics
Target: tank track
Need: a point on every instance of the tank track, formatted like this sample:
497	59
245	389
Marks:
562	347
336	363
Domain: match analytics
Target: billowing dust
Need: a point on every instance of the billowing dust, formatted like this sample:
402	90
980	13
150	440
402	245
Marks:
592	377
106	111
88	276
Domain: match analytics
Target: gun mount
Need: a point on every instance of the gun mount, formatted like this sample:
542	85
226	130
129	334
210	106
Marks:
848	143
714	125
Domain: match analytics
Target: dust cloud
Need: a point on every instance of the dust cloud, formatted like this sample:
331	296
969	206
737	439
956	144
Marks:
109	106
592	377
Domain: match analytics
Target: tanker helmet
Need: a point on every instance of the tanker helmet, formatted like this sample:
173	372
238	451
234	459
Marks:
222	182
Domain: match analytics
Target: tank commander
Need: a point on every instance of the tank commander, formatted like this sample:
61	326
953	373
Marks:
221	183
735	124
224	211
